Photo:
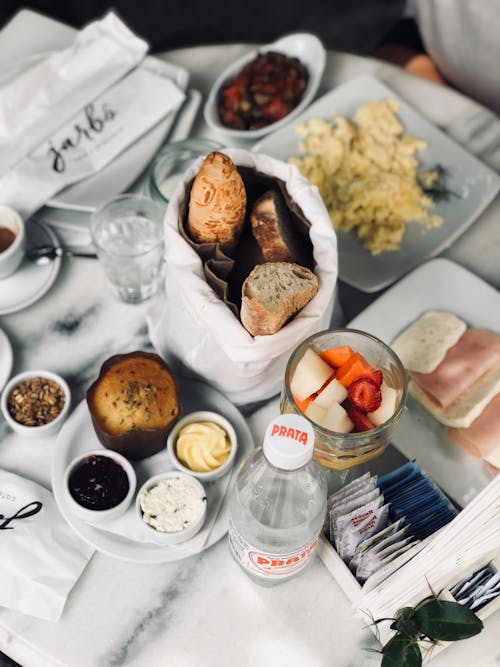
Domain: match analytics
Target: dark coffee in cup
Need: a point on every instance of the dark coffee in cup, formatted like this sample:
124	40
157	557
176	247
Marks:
7	238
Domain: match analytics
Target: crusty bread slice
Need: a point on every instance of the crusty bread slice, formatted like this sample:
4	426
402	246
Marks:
272	293
275	231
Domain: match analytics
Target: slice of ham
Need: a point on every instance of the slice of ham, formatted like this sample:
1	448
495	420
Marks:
482	437
477	351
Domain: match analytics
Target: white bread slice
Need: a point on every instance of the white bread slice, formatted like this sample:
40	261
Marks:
424	344
273	293
468	407
274	230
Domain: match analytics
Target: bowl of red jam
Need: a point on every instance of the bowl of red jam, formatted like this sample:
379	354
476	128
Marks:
99	485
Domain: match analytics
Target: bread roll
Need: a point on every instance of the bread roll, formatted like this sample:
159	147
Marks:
217	203
272	293
274	230
133	404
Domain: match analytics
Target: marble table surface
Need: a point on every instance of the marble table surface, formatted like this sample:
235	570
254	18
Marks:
202	610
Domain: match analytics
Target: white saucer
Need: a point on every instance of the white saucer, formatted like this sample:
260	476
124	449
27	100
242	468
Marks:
6	359
31	281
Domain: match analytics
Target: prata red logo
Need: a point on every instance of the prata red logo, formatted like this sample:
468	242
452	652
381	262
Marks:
288	432
279	564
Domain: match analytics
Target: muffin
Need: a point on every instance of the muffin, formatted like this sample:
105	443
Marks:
133	404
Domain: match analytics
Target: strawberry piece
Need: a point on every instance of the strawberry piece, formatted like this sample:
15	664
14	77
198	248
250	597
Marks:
377	376
360	420
365	394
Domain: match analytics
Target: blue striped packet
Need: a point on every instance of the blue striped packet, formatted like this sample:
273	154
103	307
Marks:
415	497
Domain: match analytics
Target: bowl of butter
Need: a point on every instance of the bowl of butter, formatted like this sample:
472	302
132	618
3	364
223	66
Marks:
203	444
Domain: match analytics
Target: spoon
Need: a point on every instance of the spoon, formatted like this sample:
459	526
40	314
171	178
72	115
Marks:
45	254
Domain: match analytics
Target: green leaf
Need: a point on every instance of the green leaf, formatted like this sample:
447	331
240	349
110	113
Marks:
443	620
401	651
403	622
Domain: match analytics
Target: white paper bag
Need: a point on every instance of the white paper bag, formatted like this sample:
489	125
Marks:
194	327
93	138
41	558
39	100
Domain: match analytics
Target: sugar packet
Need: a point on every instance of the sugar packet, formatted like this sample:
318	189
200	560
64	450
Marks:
370	563
362	523
378	542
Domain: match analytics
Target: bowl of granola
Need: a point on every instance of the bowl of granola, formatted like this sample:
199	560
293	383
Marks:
36	403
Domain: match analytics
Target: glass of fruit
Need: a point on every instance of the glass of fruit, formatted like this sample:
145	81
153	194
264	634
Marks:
352	388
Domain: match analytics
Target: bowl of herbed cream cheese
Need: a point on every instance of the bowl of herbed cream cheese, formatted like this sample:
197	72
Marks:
173	506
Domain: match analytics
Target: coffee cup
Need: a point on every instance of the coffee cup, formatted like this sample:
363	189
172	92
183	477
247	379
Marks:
12	241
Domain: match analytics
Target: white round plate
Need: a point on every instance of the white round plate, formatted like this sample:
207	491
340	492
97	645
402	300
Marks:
119	174
6	359
78	436
31	281
304	46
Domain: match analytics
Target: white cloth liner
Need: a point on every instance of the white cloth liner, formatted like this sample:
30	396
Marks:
36	102
194	327
41	557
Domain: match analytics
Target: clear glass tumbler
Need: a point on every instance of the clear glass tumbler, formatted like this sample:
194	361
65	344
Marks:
129	240
340	451
172	161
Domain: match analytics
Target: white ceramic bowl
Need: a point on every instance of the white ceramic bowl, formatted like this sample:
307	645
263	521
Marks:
11	257
203	416
101	516
179	536
302	45
51	428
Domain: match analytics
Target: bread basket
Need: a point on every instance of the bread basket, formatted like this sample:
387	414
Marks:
194	329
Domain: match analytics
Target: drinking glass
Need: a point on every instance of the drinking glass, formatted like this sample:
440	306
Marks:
129	240
171	163
340	451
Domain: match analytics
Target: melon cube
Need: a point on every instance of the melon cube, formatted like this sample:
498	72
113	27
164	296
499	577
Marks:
310	375
334	392
388	406
337	419
315	413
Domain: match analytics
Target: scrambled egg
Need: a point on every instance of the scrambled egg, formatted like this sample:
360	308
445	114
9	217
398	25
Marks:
366	172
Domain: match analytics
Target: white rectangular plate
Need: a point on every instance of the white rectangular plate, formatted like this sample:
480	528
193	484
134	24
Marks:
437	285
474	183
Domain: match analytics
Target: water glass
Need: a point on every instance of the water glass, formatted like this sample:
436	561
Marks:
129	240
171	163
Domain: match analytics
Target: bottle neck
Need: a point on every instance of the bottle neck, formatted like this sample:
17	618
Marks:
285	470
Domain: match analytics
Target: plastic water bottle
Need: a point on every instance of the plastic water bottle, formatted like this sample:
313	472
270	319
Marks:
278	504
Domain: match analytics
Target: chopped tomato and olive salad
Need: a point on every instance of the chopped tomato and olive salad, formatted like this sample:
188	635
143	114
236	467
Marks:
264	91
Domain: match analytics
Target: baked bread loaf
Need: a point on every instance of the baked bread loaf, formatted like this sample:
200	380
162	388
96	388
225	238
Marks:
133	404
273	293
217	203
274	230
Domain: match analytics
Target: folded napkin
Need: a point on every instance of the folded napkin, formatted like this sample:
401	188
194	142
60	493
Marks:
39	100
41	558
93	138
